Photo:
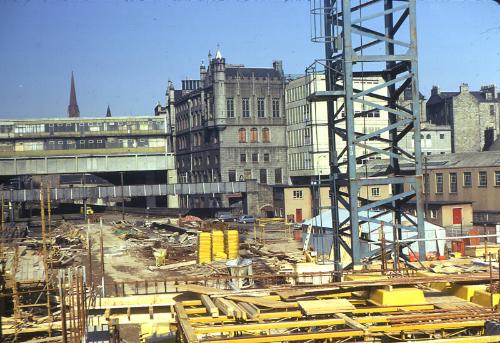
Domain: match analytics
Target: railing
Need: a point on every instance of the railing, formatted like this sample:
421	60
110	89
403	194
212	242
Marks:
103	192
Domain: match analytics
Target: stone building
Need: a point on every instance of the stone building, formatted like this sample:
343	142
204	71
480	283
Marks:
230	126
474	116
434	139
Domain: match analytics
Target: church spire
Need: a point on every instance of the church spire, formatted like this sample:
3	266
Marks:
108	112
73	110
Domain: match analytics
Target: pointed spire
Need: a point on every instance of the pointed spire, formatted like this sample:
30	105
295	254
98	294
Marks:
218	54
73	110
108	112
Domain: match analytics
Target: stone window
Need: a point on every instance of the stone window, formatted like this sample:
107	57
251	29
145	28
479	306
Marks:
297	194
483	179
254	135
255	157
439	183
245	107
276	107
497	178
467	179
441	136
375	191
242	135
265	135
260	108
453	183
263	176
492	110
266	157
278	176
243	157
230	107
232	175
434	213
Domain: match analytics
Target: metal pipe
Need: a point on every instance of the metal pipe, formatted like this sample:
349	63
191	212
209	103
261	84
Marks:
408	240
123	196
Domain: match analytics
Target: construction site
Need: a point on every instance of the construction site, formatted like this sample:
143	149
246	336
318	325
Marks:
360	270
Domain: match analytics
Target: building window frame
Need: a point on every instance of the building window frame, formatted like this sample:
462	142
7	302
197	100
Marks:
298	194
245	107
276	107
263	176
497	178
266	136
439	182
230	107
467	179
242	135
261	105
482	179
267	157
453	179
255	157
243	158
254	135
231	174
375	191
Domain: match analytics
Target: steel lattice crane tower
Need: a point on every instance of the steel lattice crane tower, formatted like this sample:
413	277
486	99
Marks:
361	38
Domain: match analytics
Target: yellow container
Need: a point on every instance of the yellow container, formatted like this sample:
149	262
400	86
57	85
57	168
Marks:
204	247
232	244
218	245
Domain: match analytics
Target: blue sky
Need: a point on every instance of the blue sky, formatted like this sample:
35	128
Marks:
123	52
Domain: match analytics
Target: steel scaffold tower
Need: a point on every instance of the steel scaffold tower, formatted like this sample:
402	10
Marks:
363	38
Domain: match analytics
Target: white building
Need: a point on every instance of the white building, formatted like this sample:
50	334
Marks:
307	125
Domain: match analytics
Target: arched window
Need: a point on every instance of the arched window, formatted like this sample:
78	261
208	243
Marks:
265	135
242	134
254	135
428	136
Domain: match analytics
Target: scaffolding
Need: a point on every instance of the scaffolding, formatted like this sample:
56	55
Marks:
362	40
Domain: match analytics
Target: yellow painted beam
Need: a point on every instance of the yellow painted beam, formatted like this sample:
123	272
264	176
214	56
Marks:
475	339
269	326
279	315
383	309
196	310
292	337
426	327
210	319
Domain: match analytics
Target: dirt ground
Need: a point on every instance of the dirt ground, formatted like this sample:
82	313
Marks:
122	262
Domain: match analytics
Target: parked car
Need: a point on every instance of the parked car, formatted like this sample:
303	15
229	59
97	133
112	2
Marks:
246	219
226	217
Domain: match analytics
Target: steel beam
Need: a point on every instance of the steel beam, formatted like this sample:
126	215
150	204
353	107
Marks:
371	38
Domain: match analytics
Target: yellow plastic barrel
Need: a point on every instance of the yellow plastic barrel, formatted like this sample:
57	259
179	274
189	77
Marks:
204	247
218	253
232	244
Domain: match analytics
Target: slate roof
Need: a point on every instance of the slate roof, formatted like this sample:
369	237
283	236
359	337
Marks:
480	96
495	146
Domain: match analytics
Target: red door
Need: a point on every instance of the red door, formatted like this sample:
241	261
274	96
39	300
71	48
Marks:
457	216
298	215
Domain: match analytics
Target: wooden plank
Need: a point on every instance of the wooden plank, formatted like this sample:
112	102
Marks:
351	322
251	310
314	307
209	304
202	289
226	307
185	324
263	302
